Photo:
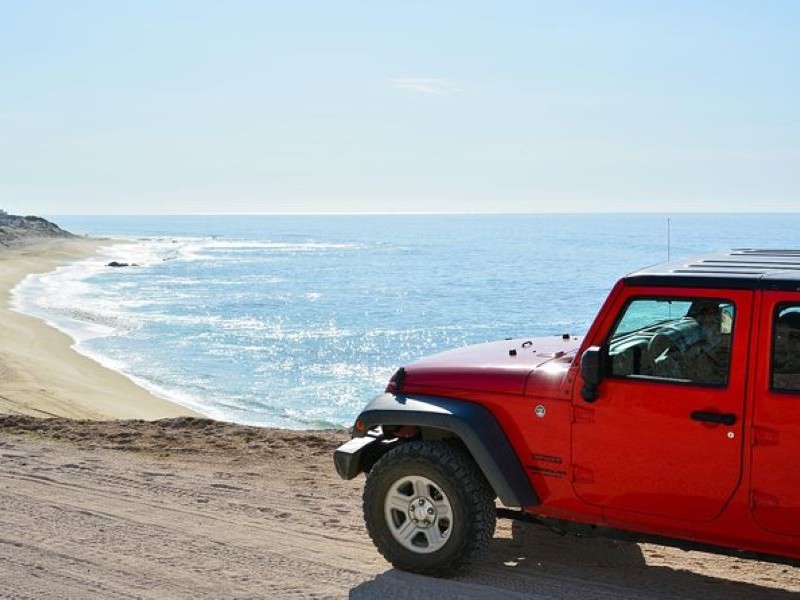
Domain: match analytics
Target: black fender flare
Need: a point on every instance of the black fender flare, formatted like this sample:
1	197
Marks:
473	424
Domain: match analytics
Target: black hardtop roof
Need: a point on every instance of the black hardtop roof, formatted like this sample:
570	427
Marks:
740	268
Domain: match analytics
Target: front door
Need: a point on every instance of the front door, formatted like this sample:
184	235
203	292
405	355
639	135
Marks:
664	435
775	484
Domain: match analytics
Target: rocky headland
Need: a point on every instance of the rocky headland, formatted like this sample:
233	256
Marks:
16	230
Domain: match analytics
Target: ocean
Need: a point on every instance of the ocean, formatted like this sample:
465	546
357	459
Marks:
297	321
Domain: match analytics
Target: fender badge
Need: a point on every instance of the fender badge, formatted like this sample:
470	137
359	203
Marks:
540	411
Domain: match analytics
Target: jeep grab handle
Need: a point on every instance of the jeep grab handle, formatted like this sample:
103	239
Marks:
712	417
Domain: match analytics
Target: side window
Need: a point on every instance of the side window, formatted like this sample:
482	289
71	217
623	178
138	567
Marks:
685	340
786	349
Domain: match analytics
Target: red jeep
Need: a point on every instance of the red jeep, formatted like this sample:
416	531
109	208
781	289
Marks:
676	418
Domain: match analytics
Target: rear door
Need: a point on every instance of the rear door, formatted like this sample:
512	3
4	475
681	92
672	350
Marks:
664	436
775	493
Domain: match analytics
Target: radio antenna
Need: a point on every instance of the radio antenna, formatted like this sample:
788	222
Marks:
669	252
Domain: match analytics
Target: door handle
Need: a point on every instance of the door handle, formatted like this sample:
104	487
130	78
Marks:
713	417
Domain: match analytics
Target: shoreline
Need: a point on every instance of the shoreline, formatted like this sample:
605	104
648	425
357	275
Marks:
41	374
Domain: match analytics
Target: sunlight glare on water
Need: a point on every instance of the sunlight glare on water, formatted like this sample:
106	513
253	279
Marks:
298	321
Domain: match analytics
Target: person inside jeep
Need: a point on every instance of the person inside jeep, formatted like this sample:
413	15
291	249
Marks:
696	347
709	358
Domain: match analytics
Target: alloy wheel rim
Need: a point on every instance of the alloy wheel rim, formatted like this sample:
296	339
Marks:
419	514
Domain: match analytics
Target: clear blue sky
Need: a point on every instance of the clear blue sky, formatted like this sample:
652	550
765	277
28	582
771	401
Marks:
209	106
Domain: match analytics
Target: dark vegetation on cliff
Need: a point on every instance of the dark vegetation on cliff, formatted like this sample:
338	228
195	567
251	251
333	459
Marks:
16	230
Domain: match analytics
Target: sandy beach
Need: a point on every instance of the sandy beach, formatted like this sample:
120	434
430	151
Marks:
41	375
124	495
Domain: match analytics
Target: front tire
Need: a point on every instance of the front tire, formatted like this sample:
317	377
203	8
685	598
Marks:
428	508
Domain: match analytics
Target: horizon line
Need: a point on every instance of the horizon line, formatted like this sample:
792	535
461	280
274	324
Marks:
417	213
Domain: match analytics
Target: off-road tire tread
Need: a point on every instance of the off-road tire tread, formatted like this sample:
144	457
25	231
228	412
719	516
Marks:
471	487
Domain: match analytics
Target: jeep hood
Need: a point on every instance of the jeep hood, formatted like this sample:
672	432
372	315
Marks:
497	367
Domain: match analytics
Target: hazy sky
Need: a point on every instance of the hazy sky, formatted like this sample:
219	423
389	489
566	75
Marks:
208	106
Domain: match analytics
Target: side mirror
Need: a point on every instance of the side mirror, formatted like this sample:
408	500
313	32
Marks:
592	373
